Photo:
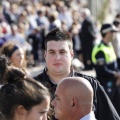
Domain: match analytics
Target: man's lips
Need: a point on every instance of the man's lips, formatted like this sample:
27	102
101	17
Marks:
57	64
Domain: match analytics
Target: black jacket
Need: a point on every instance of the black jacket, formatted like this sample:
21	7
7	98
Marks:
103	107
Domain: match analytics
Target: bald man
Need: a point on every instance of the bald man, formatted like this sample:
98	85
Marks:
74	99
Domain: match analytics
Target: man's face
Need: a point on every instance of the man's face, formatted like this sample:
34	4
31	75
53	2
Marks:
17	58
58	57
110	36
61	105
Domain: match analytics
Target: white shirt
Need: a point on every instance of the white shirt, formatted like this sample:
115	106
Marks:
89	116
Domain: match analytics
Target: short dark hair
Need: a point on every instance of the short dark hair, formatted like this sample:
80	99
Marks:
103	34
58	34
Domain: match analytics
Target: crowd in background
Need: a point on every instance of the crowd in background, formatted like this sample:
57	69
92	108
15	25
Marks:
24	25
27	23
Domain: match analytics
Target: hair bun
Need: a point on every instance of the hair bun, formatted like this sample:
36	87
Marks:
13	74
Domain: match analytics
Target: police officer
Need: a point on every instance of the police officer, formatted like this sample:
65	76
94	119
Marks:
105	63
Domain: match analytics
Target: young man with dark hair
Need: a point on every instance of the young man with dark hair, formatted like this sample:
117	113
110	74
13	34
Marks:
58	56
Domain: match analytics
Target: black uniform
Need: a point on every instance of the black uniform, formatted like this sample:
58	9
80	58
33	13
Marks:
105	72
103	107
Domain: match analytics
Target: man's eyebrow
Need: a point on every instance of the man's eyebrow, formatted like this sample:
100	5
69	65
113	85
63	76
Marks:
62	50
54	50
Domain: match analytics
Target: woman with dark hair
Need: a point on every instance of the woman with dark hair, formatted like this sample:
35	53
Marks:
23	98
15	53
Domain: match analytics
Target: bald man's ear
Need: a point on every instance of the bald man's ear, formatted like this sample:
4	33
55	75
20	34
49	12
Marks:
74	103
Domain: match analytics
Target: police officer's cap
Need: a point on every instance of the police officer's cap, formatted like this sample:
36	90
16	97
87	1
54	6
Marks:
108	28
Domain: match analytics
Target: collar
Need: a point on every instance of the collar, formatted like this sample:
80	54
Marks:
48	78
106	43
51	81
89	116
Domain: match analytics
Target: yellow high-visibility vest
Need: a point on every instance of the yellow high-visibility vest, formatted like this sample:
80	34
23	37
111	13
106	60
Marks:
107	50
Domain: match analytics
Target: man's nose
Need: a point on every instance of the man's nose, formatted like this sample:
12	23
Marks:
57	56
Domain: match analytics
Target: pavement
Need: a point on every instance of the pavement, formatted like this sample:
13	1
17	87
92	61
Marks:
33	71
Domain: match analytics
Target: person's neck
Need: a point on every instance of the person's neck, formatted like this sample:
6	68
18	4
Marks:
57	77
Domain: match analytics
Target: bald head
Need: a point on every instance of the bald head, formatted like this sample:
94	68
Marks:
73	98
79	88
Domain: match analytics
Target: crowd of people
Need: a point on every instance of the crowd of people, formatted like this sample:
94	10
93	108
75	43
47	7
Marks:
57	32
27	23
58	56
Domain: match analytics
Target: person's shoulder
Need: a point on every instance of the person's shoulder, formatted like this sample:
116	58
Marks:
91	79
39	76
42	76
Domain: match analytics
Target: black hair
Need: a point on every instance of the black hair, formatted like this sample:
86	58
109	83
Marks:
2	117
4	63
58	34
